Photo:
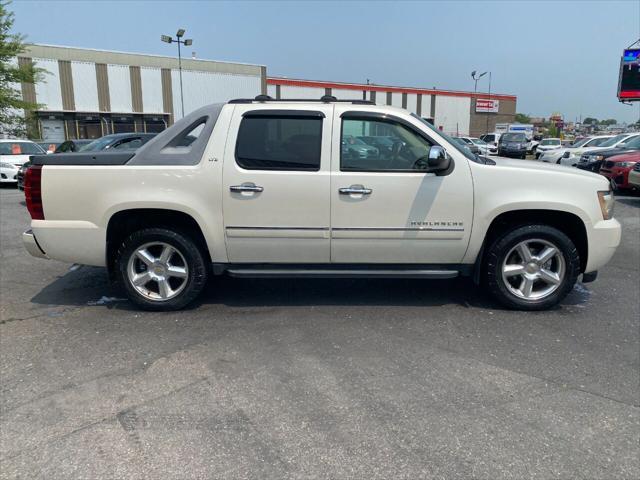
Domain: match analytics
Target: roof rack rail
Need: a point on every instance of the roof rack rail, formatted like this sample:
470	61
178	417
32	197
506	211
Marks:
323	99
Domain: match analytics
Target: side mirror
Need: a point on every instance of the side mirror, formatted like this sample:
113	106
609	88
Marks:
438	160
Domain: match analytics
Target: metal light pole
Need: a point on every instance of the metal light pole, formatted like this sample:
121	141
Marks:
489	102
186	42
475	79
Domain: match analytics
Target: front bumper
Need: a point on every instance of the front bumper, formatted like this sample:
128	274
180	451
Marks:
604	238
620	176
32	246
590	166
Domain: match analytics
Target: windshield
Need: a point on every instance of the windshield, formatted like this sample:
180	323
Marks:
20	148
627	141
454	142
580	142
633	143
477	141
98	144
613	140
513	137
550	141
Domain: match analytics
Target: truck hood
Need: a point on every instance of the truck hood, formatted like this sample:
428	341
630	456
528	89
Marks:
552	168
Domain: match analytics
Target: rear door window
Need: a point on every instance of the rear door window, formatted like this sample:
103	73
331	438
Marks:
279	141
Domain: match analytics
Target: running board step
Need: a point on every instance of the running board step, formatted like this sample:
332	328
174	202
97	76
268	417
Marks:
338	273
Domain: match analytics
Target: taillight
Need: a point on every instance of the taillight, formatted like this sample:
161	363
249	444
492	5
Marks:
33	191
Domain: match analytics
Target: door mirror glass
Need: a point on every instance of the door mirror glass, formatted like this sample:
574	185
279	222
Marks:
438	160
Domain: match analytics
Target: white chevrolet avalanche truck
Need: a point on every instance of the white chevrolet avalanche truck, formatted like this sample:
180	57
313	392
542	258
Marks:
328	188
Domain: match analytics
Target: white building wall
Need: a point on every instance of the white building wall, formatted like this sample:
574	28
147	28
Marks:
203	88
345	94
426	106
119	88
287	91
381	97
151	90
271	91
85	86
453	114
412	102
48	91
396	99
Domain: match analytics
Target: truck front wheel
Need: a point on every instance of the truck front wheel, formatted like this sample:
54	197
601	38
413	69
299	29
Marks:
161	269
532	267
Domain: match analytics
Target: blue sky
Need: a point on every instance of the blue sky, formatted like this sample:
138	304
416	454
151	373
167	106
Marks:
555	56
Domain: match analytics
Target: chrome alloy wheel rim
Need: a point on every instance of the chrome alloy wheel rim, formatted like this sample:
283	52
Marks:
158	271
533	269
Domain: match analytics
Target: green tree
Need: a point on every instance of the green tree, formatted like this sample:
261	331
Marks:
609	121
14	111
590	121
523	118
552	131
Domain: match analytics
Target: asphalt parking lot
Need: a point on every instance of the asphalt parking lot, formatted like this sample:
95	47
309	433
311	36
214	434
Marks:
315	378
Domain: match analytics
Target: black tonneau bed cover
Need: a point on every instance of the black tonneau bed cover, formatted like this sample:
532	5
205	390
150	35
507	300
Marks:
79	158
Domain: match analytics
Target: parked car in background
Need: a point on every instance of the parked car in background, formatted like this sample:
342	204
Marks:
16	152
618	167
634	177
546	145
483	147
119	141
20	175
382	143
48	146
472	147
513	145
592	159
491	139
8	172
69	146
569	156
355	148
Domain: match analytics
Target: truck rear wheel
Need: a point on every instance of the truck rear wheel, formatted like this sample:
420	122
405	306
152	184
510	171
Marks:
532	267
161	269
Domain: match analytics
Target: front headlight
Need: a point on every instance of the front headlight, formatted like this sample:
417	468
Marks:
8	165
605	197
597	158
625	164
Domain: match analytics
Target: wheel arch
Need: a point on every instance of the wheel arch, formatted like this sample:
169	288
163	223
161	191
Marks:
568	223
124	222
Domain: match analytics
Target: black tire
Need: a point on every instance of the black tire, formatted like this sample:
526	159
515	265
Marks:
190	254
503	244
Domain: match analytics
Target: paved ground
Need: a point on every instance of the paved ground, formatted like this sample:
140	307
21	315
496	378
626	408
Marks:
307	379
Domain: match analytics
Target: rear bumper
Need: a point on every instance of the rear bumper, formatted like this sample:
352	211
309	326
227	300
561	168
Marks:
604	238
71	241
31	245
634	179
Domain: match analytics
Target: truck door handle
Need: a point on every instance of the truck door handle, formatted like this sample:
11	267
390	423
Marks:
246	187
355	190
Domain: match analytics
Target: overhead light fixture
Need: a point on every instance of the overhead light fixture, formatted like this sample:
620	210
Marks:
180	33
165	38
188	42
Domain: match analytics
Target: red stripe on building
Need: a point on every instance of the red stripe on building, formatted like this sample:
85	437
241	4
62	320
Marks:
382	88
